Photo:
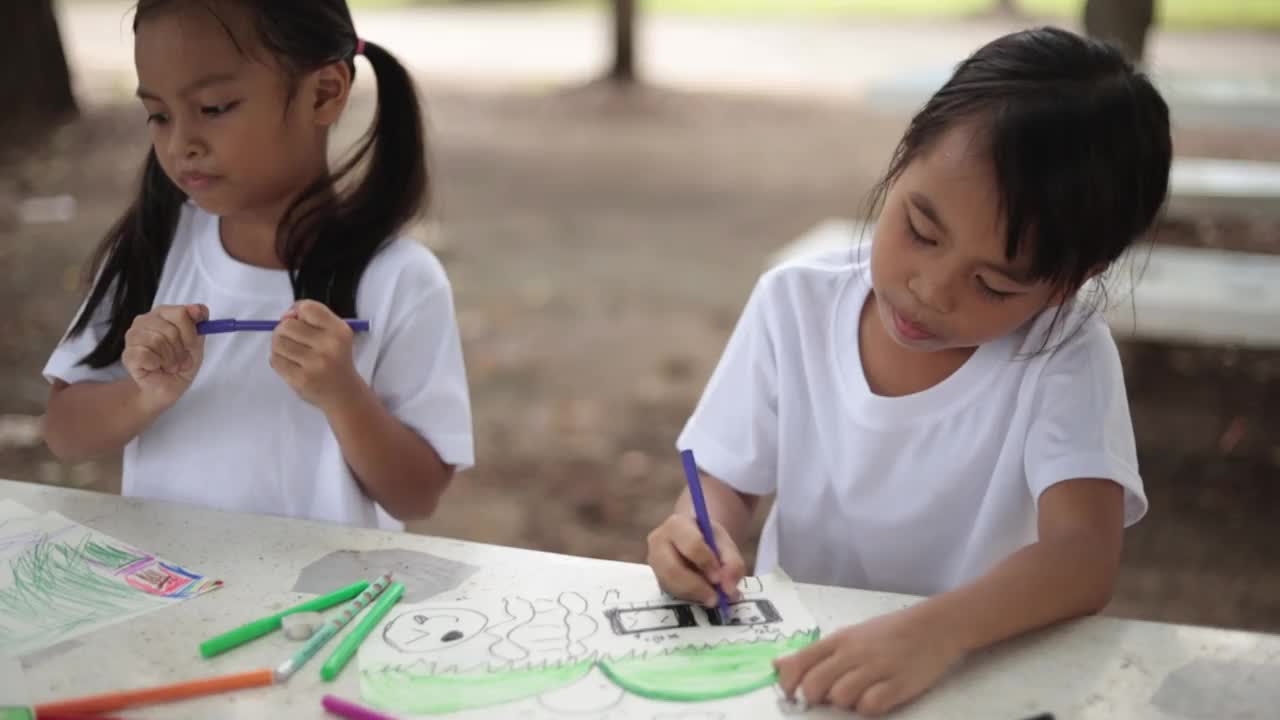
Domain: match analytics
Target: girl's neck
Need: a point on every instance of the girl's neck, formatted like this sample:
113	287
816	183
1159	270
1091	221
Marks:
251	238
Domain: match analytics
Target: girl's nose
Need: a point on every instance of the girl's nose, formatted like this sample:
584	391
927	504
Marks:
931	290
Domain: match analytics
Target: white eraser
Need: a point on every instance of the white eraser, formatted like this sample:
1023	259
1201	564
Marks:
300	626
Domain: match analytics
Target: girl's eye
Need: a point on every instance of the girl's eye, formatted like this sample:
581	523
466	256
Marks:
157	119
216	110
915	234
992	292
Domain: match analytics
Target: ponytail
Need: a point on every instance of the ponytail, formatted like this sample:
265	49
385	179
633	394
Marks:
329	236
128	262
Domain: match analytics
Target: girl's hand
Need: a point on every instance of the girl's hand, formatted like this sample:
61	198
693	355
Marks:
685	565
311	350
872	667
162	352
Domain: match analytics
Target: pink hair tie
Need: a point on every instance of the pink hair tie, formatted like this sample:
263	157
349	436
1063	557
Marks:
359	46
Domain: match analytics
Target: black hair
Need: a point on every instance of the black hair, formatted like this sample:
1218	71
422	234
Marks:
329	234
1079	140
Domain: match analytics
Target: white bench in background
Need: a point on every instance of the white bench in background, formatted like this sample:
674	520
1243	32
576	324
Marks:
1201	186
1227	101
1187	295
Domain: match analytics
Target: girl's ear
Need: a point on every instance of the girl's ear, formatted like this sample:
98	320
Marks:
328	91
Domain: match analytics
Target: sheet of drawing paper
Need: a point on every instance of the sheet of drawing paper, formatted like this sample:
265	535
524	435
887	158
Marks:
60	579
542	642
13	683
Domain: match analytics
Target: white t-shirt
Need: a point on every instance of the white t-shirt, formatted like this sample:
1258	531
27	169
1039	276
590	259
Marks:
240	438
915	494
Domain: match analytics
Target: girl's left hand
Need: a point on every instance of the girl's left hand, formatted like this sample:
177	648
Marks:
311	350
872	667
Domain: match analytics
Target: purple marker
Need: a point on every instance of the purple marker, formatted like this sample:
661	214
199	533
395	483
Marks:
217	327
704	523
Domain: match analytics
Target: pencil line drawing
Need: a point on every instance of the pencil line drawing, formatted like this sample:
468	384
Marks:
570	657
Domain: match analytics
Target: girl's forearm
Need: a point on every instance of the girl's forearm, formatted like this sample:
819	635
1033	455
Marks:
1041	584
395	466
88	420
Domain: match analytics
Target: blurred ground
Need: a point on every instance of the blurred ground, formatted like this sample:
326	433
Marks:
601	246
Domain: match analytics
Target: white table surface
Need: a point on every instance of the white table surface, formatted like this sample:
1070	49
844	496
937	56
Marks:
1093	668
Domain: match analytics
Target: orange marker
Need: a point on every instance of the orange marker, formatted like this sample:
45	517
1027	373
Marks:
106	702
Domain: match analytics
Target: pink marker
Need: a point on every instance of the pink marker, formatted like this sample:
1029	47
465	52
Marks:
350	710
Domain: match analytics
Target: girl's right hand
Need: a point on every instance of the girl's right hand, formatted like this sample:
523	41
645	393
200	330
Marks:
162	352
685	565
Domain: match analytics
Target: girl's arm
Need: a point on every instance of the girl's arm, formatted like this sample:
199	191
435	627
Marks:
733	510
1069	571
395	466
162	354
88	420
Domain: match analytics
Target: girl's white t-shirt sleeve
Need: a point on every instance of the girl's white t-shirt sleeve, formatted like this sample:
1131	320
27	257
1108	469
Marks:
733	432
1080	425
64	364
421	379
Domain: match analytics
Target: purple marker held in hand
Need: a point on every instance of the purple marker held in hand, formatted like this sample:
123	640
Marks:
228	325
704	523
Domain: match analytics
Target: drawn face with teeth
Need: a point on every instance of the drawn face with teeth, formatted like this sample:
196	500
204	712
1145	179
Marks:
424	632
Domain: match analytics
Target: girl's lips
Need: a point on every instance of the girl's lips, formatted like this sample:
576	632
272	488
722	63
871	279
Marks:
909	329
196	181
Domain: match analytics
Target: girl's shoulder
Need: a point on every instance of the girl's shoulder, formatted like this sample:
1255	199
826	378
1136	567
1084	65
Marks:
822	271
1078	336
405	266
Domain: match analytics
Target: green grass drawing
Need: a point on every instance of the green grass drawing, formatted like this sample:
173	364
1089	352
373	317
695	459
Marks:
110	556
687	674
698	673
418	693
55	591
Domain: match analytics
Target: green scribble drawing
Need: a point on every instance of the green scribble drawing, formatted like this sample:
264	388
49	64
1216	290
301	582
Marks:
406	691
55	590
110	556
686	674
698	673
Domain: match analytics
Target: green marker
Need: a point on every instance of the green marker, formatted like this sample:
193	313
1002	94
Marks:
258	628
17	713
331	627
352	641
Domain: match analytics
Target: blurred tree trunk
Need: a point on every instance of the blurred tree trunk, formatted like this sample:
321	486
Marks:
1123	22
35	73
1008	7
624	42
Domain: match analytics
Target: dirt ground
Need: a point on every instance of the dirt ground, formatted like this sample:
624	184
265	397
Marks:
601	246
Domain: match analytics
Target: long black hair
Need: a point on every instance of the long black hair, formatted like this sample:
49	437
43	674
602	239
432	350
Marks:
330	233
1079	140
